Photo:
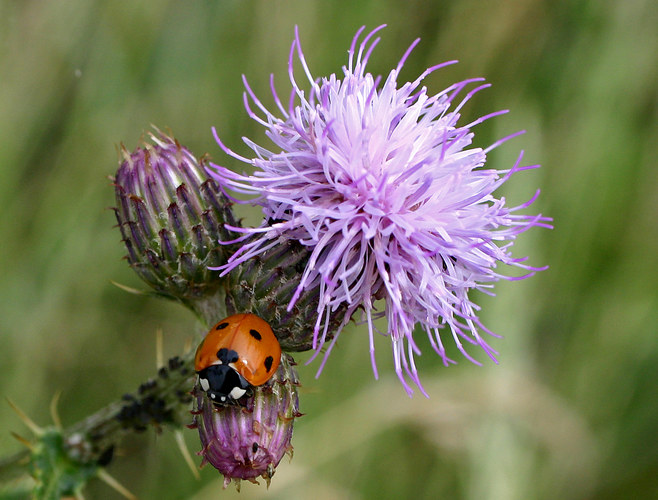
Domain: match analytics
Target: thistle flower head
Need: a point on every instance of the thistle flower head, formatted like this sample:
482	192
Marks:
382	185
171	215
247	442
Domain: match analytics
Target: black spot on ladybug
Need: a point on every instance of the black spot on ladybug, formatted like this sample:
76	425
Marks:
255	334
221	326
254	447
227	356
268	363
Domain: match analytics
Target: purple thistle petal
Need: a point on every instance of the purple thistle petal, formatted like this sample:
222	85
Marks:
384	188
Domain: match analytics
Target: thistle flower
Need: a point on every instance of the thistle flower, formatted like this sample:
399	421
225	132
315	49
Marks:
384	188
249	442
171	216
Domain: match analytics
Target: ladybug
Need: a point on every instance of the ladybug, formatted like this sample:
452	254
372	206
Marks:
238	352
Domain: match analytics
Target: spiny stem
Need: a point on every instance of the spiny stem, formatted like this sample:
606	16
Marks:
162	400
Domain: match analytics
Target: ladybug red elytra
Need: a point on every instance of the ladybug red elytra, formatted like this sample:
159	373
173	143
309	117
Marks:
238	352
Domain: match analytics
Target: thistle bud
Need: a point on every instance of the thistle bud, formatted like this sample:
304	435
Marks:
247	442
171	217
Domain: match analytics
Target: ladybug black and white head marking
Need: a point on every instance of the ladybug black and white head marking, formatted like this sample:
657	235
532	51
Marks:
221	381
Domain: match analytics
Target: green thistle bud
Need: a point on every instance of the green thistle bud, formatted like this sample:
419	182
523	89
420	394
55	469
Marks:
247	442
171	217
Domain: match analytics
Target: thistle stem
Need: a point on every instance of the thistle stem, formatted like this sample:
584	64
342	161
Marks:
162	400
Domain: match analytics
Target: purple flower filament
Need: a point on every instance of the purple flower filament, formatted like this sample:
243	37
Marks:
381	185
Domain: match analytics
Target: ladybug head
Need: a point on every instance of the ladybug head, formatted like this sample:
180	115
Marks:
222	383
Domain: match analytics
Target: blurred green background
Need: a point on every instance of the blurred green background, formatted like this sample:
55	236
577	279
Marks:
571	412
